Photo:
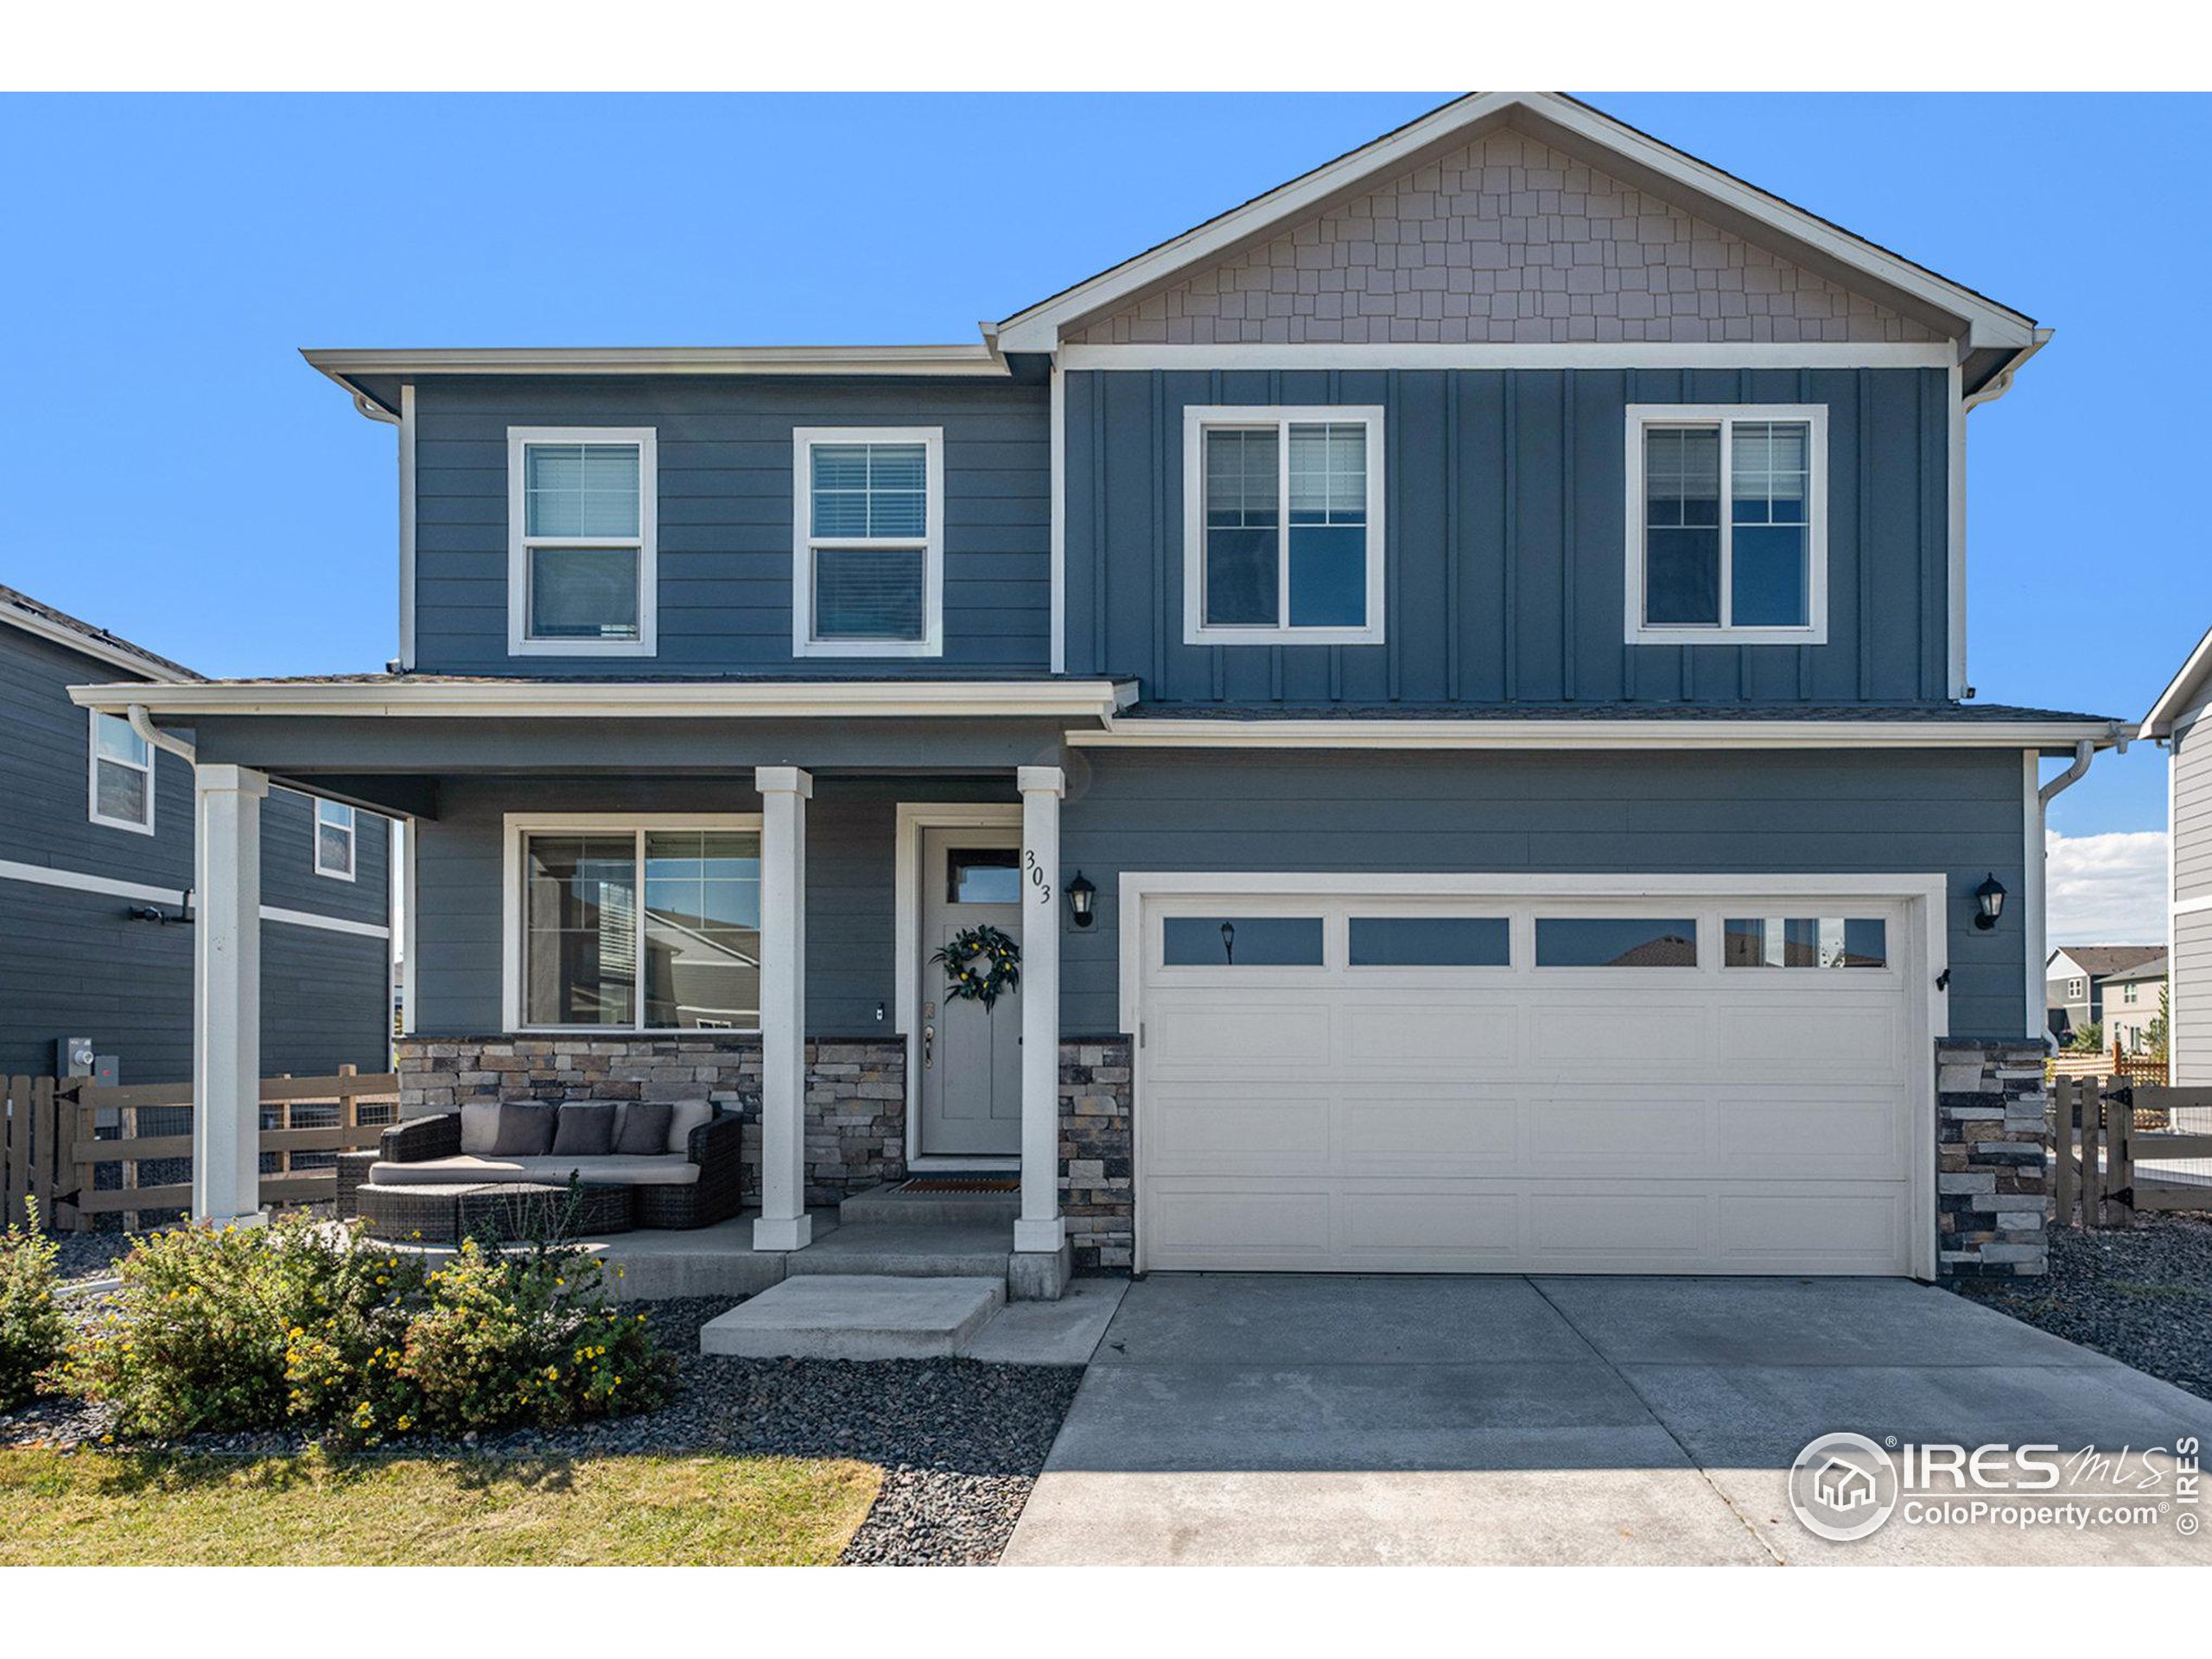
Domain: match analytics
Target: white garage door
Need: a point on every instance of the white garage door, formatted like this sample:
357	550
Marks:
1684	1083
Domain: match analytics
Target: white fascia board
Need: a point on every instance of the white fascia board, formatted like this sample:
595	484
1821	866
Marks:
512	700
975	361
1984	322
1520	354
120	656
1565	735
2158	722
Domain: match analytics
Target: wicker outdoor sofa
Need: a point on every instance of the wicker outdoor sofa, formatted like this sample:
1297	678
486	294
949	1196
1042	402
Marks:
695	1187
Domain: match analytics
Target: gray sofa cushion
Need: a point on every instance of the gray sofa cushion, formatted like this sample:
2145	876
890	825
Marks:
479	1126
664	1169
584	1129
644	1128
526	1129
683	1117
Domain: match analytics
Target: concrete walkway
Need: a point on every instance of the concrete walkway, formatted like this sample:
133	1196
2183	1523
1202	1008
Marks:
1285	1419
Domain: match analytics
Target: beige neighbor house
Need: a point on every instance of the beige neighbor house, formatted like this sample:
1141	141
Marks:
2131	1005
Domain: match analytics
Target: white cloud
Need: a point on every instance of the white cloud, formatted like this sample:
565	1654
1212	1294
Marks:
2105	889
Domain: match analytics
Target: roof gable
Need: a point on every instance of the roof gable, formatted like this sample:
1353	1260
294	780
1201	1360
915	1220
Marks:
1504	239
2103	961
1622	155
34	616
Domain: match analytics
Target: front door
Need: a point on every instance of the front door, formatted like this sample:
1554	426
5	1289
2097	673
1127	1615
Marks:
971	1056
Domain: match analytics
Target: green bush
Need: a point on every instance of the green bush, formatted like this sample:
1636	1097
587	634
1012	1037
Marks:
315	1327
32	1328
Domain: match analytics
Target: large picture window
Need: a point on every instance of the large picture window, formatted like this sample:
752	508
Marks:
867	547
655	927
1727	529
582	544
1283	537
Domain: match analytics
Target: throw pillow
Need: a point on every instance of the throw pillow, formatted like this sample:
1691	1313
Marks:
683	1117
479	1126
526	1129
584	1129
644	1131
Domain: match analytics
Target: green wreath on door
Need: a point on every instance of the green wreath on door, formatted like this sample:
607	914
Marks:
981	965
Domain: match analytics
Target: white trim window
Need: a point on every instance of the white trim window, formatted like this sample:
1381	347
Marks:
336	840
1254	574
631	923
582	543
868	541
118	775
1754	573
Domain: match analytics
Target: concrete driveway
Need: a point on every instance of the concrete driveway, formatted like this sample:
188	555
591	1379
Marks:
1285	1419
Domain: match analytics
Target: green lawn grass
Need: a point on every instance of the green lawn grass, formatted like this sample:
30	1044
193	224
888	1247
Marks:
88	1509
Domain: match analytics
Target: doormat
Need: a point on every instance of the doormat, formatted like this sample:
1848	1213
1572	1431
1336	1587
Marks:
963	1184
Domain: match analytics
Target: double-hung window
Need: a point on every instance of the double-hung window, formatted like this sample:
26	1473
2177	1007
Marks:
1728	539
868	542
121	783
1282	526
582	541
334	840
633	924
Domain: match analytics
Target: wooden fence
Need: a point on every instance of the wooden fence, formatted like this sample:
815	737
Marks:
57	1136
2116	1146
2102	1064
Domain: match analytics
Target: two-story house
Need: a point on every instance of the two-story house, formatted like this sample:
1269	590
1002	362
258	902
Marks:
2075	981
1452	676
96	882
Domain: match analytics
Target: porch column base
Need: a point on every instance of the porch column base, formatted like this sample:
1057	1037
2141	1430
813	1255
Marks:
1039	1275
1039	1235
783	1233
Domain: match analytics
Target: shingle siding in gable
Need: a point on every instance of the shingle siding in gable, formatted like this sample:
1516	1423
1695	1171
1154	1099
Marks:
725	495
1503	240
1506	519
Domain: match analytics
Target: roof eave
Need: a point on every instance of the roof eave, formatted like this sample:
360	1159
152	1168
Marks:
2158	722
977	360
116	652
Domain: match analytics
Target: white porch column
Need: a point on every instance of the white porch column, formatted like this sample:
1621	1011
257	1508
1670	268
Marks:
226	996
784	1224
1040	1227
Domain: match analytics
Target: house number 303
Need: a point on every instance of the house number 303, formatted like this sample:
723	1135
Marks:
1037	877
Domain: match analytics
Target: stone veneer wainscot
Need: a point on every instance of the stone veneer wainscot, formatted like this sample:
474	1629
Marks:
1993	1189
1098	1173
855	1090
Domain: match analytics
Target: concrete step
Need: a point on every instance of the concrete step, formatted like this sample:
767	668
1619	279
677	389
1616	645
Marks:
857	1316
891	1203
910	1250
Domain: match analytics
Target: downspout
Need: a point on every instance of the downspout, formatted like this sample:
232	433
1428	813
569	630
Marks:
141	723
2038	943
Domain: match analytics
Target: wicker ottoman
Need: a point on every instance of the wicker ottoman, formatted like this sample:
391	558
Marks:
518	1210
428	1213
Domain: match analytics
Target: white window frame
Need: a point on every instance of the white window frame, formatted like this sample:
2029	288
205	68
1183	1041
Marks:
520	642
804	541
1198	419
2077	990
519	827
92	758
1642	418
353	839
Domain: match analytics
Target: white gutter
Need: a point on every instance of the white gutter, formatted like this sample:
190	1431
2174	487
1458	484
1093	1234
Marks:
2001	383
509	700
142	723
1688	733
978	360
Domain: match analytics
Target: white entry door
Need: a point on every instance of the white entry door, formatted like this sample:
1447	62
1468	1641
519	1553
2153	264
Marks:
970	1055
1694	1083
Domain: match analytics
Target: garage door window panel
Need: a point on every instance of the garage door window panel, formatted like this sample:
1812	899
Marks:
1805	942
1430	942
1616	942
1243	942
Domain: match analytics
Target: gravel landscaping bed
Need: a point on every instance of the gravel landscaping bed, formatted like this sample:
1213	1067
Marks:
2142	1296
960	1443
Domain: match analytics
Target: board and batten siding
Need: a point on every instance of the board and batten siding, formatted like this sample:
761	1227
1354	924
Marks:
75	965
1505	519
726	504
1955	814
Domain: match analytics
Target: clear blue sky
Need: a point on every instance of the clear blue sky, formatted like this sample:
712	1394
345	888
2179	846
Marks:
173	471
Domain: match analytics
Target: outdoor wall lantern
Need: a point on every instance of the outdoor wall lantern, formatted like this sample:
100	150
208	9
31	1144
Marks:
1228	942
1080	895
156	913
1989	903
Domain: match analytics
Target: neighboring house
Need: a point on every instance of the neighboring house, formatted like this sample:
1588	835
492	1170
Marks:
2176	720
2074	980
2131	1004
1453	671
96	873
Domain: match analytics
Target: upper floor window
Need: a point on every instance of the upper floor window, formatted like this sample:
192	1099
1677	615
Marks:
121	783
1282	526
1727	524
334	840
581	541
2076	989
867	547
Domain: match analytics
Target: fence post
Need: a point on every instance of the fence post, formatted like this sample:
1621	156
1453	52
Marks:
2119	1131
349	1106
2092	1161
15	1132
2061	1173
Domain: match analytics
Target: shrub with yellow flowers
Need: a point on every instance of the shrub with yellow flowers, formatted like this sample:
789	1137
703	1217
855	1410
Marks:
32	1328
